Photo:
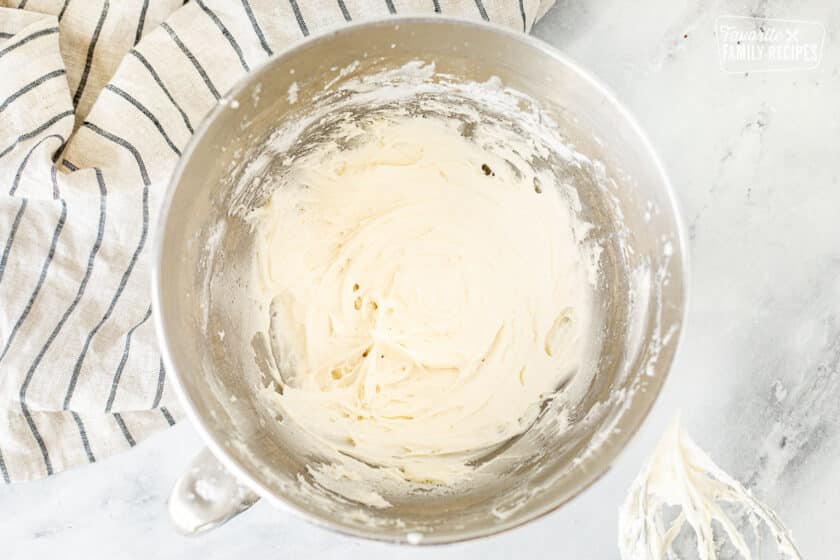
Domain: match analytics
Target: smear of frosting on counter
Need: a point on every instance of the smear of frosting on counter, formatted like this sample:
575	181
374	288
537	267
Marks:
426	296
681	475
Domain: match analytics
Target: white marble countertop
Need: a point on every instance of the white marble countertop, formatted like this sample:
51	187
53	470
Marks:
754	159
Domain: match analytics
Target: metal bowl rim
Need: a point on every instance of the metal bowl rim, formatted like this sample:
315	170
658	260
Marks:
604	455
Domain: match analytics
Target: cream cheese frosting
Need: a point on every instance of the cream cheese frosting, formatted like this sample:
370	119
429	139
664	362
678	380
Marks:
681	475
426	296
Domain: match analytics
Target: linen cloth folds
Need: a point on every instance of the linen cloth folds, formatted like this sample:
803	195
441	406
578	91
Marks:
97	100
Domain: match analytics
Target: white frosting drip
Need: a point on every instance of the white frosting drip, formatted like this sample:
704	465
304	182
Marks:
680	474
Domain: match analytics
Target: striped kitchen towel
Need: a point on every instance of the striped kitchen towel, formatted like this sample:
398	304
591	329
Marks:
97	100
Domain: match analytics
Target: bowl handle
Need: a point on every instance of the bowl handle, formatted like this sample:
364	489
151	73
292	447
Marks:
206	496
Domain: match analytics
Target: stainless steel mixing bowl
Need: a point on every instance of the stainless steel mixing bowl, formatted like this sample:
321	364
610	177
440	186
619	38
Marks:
641	290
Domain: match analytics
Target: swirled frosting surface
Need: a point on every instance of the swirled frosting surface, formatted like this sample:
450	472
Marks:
425	296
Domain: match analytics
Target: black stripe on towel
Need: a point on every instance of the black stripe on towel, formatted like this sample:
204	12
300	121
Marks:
67	312
32	37
299	17
436	4
11	239
141	22
226	32
30	86
45	454
391	8
167	415
19	173
148	114
159	391
84	437
37	131
257	30
125	144
44	269
156	78
121	423
522	13
5	471
124	280
80	89
63	9
54	181
193	60
344	11
115	383
480	5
